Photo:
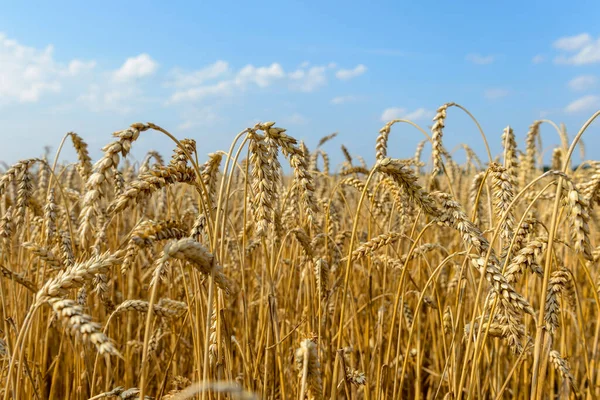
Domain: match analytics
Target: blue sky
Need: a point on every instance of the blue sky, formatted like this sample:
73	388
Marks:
207	70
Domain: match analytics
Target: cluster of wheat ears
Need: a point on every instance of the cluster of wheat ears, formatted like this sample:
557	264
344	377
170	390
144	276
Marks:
234	279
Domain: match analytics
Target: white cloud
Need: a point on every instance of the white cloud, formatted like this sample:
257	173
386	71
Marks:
419	113
343	99
261	76
572	43
189	87
480	59
308	80
136	67
180	78
27	73
345	74
77	67
399	112
583	82
583	104
538	59
223	88
496	93
580	50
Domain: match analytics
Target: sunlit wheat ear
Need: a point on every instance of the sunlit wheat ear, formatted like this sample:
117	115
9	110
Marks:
142	306
314	159
147	233
81	325
372	245
561	283
43	180
50	216
175	305
179	160
75	276
158	161
14	172
525	230
309	369
590	188
262	182
121	393
190	250
347	155
381	142
526	258
24	194
6	231
18	278
454	216
299	163
530	146
326	139
84	167
406	178
448	321
557	159
579	217
149	183
66	248
474	191
209	173
103	171
437	131
503	191
44	254
304	240
322	276
101	289
509	143
562	367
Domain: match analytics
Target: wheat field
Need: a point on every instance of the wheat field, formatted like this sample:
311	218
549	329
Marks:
262	271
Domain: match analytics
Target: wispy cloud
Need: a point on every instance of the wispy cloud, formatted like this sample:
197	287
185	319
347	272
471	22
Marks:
346	74
343	99
583	82
117	91
249	75
136	67
572	43
400	112
496	93
480	59
27	74
583	104
308	80
197	85
538	59
579	50
179	78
